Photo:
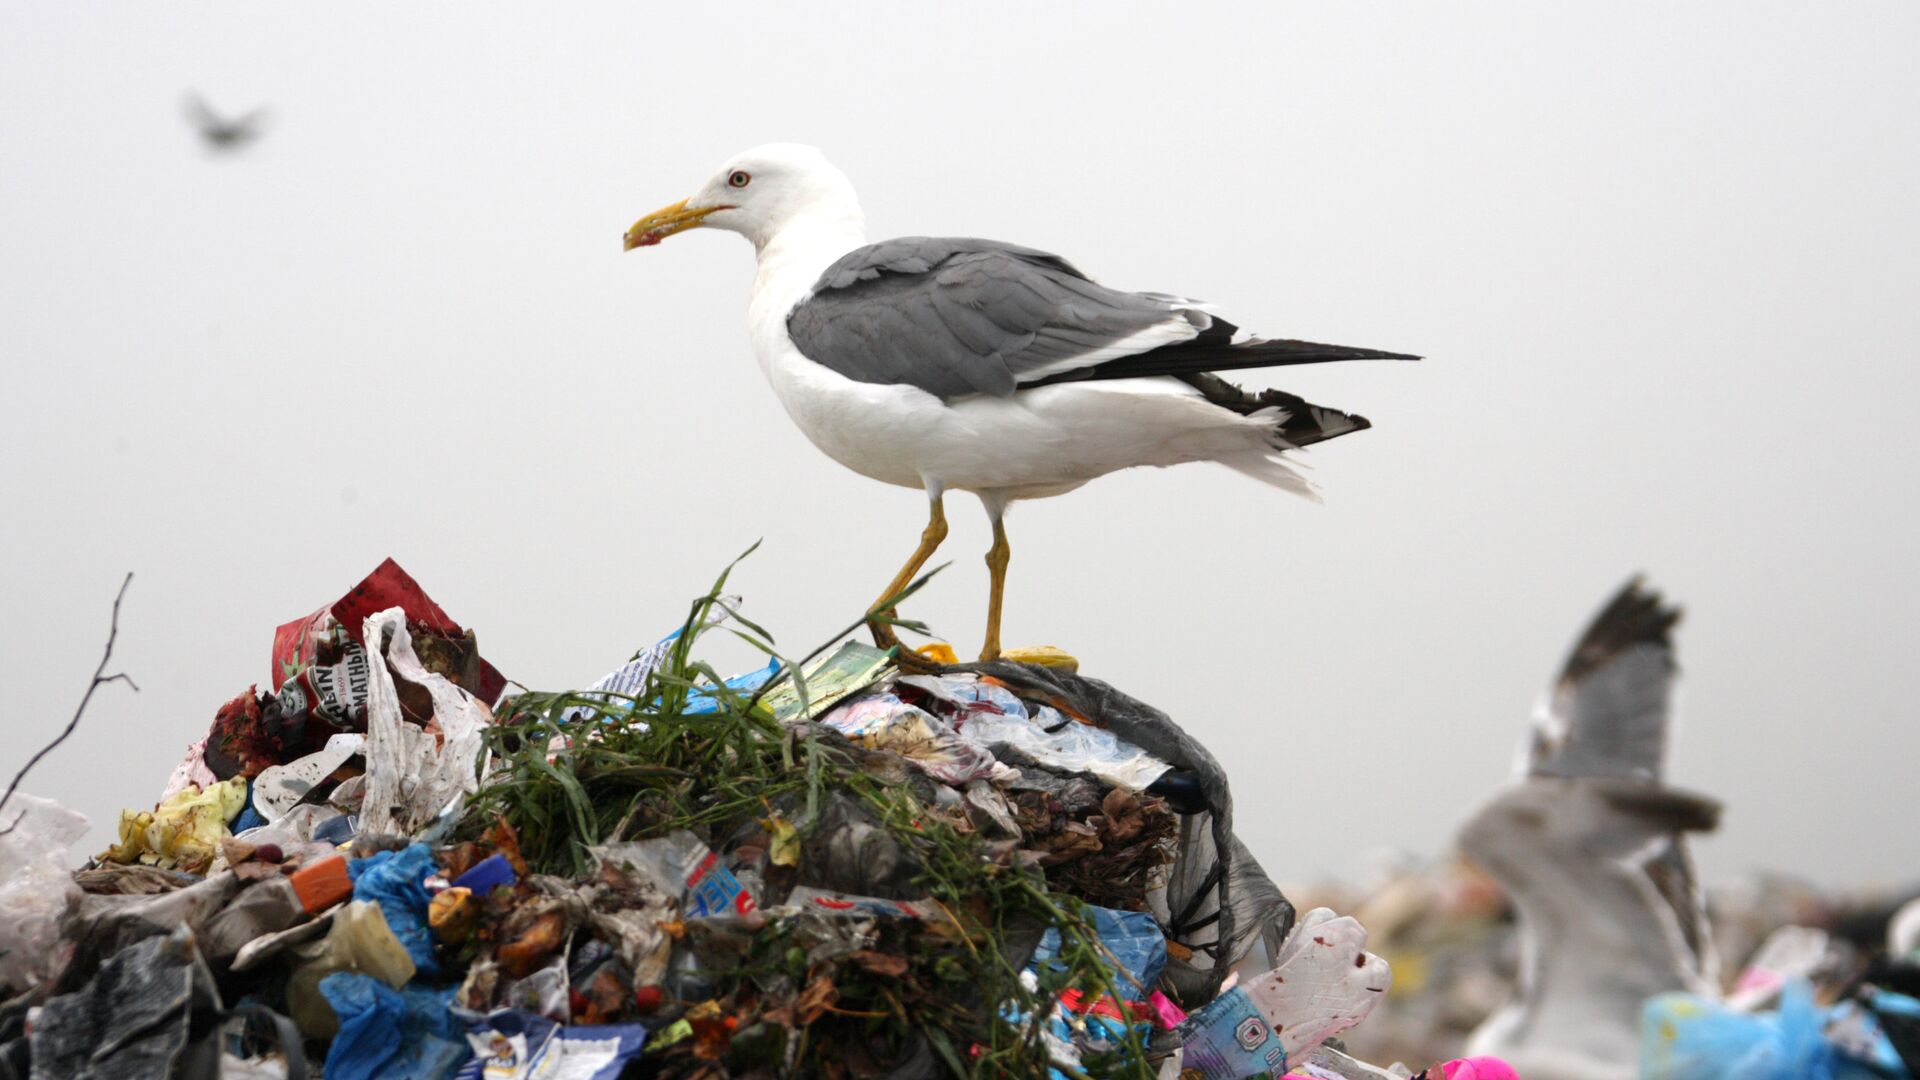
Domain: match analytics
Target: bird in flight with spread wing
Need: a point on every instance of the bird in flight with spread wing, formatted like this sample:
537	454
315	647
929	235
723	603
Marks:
949	364
1591	845
223	133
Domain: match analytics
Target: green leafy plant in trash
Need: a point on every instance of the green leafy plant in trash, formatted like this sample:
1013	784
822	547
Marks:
575	769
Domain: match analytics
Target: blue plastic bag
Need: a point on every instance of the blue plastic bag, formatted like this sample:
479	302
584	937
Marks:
388	1034
1685	1037
249	817
396	881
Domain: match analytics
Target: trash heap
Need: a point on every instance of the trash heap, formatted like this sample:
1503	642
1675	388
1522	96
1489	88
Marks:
1451	938
859	863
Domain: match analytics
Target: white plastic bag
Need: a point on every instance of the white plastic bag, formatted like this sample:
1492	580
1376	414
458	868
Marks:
987	714
36	886
279	788
412	775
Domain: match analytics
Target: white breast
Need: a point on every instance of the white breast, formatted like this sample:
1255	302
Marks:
854	423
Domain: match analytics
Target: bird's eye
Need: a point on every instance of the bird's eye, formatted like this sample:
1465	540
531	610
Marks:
740	178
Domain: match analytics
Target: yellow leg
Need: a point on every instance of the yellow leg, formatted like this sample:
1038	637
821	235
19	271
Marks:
997	583
930	539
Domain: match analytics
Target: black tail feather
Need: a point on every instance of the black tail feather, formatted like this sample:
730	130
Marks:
1305	423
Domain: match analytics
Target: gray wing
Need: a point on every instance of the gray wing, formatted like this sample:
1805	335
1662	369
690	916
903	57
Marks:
1607	714
958	316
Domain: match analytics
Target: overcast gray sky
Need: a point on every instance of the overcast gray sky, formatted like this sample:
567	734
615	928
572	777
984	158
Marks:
1663	259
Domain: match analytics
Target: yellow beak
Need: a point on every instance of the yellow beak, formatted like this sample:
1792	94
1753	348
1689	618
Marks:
666	221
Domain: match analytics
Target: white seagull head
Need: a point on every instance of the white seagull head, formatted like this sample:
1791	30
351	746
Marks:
758	193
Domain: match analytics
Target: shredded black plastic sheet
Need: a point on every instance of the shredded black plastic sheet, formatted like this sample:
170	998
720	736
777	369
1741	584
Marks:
1218	900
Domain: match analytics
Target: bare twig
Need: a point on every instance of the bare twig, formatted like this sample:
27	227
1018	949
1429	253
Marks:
100	678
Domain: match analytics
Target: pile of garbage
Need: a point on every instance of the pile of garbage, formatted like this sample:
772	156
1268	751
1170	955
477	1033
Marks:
860	863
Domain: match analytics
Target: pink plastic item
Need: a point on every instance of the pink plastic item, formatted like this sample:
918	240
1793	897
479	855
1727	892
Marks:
1478	1068
1165	1012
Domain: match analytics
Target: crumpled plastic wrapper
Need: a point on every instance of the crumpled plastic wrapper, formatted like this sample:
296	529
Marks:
414	772
184	832
35	887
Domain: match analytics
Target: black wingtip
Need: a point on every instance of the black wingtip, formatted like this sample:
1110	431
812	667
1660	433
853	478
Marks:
1381	354
1281	351
1637	615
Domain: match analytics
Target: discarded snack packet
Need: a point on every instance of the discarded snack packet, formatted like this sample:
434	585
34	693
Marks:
850	668
334	694
842	904
883	721
512	1044
297	644
1230	1039
682	864
986	712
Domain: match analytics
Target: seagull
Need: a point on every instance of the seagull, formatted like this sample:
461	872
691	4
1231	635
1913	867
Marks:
220	132
1591	846
956	364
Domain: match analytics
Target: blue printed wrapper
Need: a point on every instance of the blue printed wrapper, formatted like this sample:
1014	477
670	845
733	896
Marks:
1132	937
713	890
1230	1039
515	1045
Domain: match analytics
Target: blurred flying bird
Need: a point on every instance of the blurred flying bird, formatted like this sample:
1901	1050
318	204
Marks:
221	133
979	366
1591	846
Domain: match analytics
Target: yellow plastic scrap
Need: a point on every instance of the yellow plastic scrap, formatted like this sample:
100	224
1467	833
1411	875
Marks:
1046	656
785	849
939	652
133	837
678	1031
183	833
